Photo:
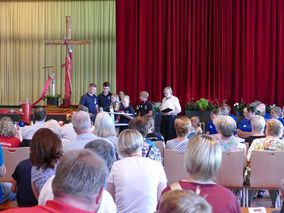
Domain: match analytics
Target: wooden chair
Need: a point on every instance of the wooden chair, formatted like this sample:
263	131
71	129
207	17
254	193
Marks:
13	156
230	174
267	170
174	166
161	146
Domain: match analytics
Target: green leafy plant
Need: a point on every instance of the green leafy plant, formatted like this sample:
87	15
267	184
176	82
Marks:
57	96
239	107
157	106
203	104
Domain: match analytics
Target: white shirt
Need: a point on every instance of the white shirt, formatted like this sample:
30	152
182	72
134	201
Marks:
68	133
29	131
107	203
172	103
136	181
79	142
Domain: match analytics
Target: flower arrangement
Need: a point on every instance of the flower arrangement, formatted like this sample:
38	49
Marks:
157	106
203	104
69	116
239	107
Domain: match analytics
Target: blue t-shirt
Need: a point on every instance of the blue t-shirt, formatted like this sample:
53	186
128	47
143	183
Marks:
281	120
129	110
234	117
267	116
105	101
89	101
1	156
245	125
211	128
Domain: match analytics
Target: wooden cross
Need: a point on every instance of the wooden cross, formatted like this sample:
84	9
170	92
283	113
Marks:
68	59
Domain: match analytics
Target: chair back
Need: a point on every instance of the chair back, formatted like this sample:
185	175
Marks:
161	146
267	169
174	166
12	157
230	174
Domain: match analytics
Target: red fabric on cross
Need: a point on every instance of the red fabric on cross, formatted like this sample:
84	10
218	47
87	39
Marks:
229	49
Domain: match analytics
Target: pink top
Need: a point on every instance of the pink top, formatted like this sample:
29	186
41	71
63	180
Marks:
221	199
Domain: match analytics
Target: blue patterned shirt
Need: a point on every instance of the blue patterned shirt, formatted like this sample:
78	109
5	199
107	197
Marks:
154	154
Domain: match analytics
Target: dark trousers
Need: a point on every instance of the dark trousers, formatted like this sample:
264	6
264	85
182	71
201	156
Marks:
168	127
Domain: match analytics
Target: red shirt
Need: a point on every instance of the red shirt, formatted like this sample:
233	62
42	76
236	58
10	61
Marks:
10	142
51	206
220	199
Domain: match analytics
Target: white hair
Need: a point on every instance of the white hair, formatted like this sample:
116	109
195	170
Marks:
54	126
257	123
81	121
104	125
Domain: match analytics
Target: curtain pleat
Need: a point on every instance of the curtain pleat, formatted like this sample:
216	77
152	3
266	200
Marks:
25	25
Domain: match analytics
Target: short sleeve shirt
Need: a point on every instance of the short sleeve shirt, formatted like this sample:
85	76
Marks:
89	101
177	145
105	101
154	153
40	176
245	125
171	103
10	142
145	108
211	128
129	110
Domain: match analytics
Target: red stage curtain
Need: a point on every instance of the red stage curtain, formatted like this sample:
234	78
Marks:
225	49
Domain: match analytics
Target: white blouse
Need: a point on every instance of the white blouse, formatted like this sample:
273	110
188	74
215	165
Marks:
172	103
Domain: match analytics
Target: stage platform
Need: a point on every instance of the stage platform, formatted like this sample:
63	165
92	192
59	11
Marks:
53	112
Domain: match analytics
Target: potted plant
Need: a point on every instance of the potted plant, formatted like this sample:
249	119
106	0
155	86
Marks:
157	115
52	100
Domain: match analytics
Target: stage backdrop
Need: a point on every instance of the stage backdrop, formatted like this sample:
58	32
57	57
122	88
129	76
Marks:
229	49
24	25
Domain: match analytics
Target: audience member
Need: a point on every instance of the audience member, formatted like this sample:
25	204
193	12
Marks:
90	99
172	106
135	182
257	126
211	129
261	110
104	128
145	108
105	97
10	136
128	111
115	103
78	184
275	113
183	128
82	125
272	142
152	135
121	95
244	130
29	131
227	111
22	184
178	201
227	126
54	126
203	157
46	149
195	124
102	148
149	149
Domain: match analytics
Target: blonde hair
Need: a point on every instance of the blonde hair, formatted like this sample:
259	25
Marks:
54	126
179	201
130	141
195	119
104	126
7	128
202	157
144	94
182	126
274	128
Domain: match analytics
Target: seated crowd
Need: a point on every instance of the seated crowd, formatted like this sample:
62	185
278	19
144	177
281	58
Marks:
88	166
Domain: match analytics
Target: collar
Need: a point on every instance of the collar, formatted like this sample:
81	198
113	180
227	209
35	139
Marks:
109	94
39	122
62	207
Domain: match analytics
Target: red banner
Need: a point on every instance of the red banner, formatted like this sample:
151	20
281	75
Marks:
46	86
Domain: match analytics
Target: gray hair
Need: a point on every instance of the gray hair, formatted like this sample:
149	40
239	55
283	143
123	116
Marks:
7	128
274	128
227	126
80	174
54	126
257	123
277	110
104	149
104	125
81	121
130	141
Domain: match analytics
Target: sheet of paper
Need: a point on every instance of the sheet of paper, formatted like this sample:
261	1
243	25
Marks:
257	210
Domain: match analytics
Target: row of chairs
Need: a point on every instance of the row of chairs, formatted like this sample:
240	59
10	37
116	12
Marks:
267	169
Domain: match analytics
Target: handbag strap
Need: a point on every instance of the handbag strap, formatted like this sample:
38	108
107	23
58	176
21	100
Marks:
148	151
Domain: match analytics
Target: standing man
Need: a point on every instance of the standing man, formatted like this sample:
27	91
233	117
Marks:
105	97
90	99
